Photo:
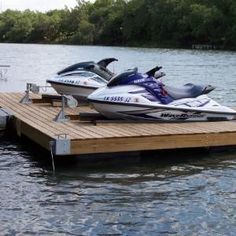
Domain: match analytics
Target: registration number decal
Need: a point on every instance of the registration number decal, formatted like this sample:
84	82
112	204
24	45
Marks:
117	99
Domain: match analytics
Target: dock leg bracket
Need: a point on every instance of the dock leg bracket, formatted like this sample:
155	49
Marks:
61	145
26	99
61	117
34	88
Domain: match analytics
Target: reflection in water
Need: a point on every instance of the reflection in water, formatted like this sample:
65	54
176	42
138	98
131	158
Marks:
150	193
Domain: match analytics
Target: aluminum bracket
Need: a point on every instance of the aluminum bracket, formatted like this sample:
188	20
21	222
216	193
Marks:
26	99
61	117
29	88
61	145
5	115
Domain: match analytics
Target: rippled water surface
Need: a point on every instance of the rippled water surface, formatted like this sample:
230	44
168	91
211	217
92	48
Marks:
149	193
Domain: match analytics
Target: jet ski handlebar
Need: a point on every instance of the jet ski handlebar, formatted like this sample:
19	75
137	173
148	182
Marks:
153	71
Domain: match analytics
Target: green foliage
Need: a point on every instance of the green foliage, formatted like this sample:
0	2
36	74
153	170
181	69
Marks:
127	22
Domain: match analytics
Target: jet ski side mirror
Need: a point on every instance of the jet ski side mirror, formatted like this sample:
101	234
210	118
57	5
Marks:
159	74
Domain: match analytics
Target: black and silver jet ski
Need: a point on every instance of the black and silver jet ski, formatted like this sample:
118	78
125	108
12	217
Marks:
132	95
81	79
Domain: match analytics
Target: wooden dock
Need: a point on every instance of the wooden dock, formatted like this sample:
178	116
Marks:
79	136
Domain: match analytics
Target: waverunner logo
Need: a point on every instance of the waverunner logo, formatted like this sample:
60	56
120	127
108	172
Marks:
182	116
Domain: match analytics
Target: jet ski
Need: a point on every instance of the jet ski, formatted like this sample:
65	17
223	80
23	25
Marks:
81	79
135	96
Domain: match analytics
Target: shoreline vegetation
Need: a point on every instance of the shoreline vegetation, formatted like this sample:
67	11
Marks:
200	24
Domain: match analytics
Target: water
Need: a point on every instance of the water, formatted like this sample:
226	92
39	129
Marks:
36	63
149	193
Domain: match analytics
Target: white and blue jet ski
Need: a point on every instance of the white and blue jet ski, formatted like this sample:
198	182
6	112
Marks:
135	96
81	79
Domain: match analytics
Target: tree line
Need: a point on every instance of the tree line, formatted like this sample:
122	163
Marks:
175	23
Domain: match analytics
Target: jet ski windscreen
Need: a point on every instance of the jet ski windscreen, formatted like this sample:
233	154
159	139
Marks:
132	77
154	87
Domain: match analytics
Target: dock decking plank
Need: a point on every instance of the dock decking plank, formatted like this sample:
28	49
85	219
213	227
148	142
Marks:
28	115
59	127
94	132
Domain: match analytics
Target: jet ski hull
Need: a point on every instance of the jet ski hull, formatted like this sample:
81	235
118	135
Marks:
78	84
81	79
77	91
134	103
137	112
155	113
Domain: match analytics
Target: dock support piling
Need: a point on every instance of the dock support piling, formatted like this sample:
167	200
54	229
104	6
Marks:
5	115
52	157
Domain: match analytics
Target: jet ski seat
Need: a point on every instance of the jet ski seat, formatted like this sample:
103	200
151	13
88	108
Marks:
187	91
81	65
99	68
